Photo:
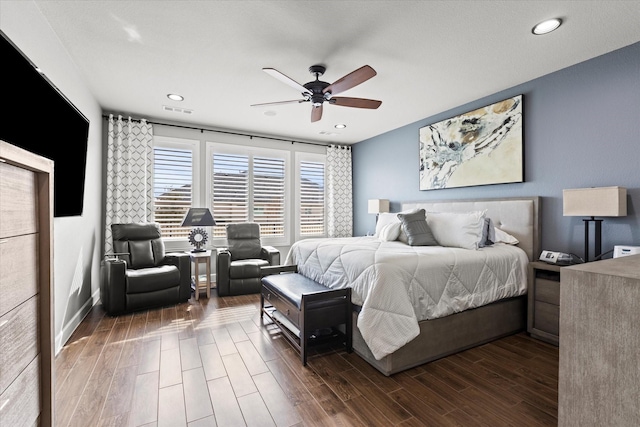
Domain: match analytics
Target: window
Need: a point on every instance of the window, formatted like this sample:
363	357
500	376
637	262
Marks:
230	192
311	205
249	184
173	189
310	195
268	195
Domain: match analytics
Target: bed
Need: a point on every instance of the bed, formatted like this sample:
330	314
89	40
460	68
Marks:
415	304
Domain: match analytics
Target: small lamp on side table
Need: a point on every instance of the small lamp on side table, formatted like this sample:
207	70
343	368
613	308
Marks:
593	202
198	217
378	206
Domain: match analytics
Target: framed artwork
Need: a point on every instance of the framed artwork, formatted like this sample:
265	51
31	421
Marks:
481	147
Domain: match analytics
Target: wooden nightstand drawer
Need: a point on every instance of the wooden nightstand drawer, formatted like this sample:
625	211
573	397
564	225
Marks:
544	302
547	291
547	317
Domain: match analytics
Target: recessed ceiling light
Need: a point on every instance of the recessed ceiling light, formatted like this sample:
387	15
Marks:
546	26
175	97
340	126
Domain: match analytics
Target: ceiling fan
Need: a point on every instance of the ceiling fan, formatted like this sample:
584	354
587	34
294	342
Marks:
318	92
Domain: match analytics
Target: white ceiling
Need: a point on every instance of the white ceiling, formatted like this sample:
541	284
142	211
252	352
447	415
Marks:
430	56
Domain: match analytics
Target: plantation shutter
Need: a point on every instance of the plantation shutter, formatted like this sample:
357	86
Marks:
311	198
172	189
230	192
269	195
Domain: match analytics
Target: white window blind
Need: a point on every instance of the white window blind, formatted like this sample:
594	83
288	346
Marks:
230	190
269	195
311	198
172	189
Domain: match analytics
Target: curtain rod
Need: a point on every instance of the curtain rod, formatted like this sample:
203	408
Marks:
234	133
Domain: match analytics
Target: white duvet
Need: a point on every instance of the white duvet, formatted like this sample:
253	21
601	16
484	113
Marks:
398	285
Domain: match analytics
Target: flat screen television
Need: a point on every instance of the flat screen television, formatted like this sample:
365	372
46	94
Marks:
36	116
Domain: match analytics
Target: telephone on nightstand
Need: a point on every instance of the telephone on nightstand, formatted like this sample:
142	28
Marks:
559	258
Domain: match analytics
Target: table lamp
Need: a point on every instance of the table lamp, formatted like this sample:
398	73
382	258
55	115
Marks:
593	202
378	206
198	217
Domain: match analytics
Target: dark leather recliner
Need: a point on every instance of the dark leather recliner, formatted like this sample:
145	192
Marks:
143	275
238	266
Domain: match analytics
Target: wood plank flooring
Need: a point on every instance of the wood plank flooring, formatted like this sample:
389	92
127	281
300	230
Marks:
211	363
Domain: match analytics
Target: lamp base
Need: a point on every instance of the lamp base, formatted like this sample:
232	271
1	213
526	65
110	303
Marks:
598	238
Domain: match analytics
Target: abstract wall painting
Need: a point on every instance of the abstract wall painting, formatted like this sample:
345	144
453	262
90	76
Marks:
480	147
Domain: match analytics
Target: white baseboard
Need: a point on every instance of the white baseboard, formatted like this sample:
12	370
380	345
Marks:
69	328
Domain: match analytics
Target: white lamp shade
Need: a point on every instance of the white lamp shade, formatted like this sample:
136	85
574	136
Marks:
599	201
378	206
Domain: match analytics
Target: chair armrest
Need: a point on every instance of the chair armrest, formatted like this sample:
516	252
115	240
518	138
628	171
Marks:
223	261
113	285
182	260
271	254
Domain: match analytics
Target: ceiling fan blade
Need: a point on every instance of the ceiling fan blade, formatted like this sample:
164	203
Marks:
352	79
286	80
296	101
355	102
316	113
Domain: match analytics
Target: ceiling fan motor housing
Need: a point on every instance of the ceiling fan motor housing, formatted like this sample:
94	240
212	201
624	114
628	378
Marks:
316	87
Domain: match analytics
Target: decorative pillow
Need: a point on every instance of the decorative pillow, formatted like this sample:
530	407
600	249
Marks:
504	237
457	229
488	234
390	232
388	218
416	229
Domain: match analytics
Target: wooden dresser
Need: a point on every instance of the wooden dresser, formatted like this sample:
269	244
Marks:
26	278
599	369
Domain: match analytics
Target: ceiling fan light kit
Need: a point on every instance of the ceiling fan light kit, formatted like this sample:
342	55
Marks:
318	92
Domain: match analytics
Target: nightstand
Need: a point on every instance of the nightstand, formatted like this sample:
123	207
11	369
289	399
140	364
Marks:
543	314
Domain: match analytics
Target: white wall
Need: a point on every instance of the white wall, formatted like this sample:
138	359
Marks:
77	240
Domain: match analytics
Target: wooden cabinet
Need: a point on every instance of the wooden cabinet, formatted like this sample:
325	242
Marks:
599	368
543	318
26	277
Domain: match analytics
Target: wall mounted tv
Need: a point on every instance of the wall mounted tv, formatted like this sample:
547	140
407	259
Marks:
36	116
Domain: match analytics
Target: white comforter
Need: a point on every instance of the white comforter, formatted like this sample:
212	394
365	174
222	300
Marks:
398	285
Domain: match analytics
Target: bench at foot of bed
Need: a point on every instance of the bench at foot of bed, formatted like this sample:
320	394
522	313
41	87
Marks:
301	307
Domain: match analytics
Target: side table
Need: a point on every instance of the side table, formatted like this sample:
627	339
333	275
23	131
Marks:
543	320
198	258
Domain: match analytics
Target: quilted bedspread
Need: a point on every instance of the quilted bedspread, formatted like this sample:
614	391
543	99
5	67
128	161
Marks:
398	285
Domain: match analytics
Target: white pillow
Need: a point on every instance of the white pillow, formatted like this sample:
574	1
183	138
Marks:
385	219
457	229
390	232
504	237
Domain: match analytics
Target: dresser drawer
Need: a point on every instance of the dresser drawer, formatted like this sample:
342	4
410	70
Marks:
19	267
547	318
20	403
18	341
547	291
17	201
284	307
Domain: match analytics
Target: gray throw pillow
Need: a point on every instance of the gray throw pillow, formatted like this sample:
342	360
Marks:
415	227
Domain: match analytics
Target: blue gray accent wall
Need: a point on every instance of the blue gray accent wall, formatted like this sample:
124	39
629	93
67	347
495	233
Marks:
581	129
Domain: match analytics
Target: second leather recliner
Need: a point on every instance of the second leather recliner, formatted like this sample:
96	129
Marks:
238	267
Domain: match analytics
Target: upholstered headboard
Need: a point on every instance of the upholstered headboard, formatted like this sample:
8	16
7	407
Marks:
517	216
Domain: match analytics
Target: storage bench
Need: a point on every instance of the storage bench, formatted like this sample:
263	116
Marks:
299	306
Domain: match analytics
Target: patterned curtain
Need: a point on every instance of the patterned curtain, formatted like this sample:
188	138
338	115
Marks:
129	174
339	192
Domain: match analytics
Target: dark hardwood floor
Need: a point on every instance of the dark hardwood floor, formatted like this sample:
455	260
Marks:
210	362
